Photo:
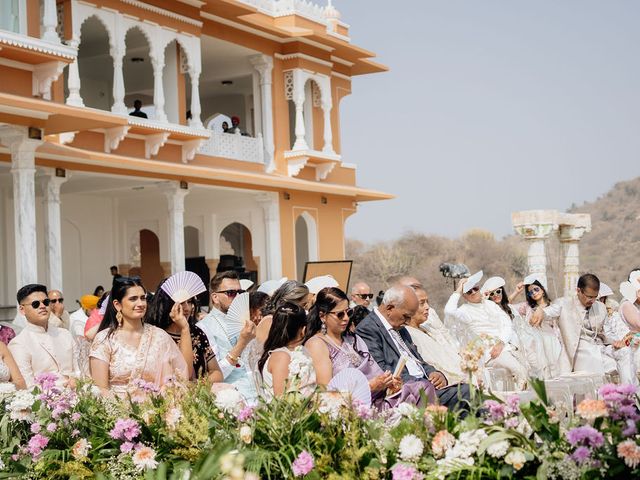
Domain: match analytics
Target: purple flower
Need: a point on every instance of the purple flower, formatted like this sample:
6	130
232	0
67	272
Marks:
125	429
75	433
513	403
581	455
245	414
401	471
36	444
46	381
303	464
630	429
75	416
126	447
497	411
586	435
36	427
52	427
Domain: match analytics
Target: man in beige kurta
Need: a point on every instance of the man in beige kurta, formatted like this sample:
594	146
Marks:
41	347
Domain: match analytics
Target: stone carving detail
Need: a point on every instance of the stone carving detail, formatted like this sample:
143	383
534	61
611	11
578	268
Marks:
237	147
288	85
316	95
44	75
113	137
152	143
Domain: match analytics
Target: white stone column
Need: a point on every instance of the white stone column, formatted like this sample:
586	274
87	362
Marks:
535	236
264	65
301	142
118	106
271	208
51	184
73	79
175	196
24	201
158	88
196	110
50	22
572	229
328	134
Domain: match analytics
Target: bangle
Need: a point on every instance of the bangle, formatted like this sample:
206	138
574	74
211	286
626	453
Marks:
234	360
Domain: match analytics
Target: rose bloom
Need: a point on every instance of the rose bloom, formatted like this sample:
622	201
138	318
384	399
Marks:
630	453
442	441
516	459
592	409
81	449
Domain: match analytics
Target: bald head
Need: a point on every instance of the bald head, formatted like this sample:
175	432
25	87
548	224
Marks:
399	304
361	294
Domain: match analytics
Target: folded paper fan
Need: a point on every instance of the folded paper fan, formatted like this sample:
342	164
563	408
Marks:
354	382
270	286
629	290
634	276
182	286
237	315
105	304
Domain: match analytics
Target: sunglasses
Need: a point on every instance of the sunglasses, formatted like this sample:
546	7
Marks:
231	293
340	315
365	296
534	290
496	292
473	290
56	300
36	303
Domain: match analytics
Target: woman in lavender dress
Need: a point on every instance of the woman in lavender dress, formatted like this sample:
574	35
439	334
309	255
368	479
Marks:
333	348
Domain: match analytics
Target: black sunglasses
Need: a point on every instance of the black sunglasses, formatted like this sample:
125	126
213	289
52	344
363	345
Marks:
365	296
56	300
231	293
36	303
342	313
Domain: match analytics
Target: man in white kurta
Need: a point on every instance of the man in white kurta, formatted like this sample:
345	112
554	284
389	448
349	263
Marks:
40	347
483	317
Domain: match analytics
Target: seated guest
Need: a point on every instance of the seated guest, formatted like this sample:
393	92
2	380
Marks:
78	319
258	301
434	349
290	291
480	317
127	350
333	348
98	291
179	321
137	105
9	371
229	349
289	322
434	324
387	340
605	296
358	313
361	295
6	334
41	347
580	319
59	316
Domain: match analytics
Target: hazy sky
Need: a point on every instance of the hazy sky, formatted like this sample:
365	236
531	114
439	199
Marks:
490	107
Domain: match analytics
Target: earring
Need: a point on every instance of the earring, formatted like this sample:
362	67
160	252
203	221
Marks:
323	329
119	318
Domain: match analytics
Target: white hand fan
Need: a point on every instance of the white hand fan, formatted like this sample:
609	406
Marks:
629	290
182	286
105	304
353	381
237	315
634	276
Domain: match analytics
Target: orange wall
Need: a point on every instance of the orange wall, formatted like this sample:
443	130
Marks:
329	219
15	81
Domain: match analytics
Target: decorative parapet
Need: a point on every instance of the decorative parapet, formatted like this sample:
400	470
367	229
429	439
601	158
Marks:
37	45
234	146
322	162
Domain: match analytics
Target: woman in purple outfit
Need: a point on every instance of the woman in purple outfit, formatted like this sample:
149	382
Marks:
333	348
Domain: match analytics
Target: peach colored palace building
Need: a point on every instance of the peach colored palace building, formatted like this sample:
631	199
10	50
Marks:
84	185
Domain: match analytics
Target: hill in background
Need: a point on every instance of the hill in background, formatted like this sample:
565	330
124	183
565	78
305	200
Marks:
610	250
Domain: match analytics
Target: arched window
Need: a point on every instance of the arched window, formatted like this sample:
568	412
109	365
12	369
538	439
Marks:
95	65
306	234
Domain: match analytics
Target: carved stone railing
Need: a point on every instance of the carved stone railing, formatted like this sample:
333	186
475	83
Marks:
281	8
234	146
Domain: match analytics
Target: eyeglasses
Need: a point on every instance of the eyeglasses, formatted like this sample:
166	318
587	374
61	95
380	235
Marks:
36	303
340	315
56	300
365	296
496	292
590	297
473	290
231	293
534	290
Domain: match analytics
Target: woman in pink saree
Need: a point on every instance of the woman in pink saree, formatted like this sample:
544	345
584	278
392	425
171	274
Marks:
127	351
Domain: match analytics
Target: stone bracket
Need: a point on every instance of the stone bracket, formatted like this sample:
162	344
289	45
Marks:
189	149
66	137
44	75
113	137
294	165
152	143
323	170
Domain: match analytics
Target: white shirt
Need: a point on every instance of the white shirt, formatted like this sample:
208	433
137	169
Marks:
413	368
77	321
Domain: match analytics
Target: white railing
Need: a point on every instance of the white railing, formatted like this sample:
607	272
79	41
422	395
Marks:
234	146
281	8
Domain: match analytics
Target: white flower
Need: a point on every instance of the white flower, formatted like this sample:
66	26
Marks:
467	445
172	417
406	409
516	459
246	435
145	458
6	389
229	400
331	403
1	464
20	405
498	449
411	448
300	365
80	449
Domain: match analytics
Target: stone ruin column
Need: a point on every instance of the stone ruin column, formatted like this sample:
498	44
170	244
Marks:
572	228
535	226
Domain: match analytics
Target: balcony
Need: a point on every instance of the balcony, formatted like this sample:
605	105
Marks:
234	146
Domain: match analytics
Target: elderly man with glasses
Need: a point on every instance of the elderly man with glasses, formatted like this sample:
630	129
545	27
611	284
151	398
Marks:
59	316
40	347
224	287
481	317
361	295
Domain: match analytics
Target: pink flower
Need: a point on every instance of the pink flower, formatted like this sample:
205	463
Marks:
75	417
36	444
591	409
126	447
401	471
46	381
125	429
52	427
442	441
36	427
303	464
630	453
245	414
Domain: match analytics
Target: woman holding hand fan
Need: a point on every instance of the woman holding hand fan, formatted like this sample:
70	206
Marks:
174	309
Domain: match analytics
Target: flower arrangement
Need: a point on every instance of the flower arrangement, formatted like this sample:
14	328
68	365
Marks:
192	432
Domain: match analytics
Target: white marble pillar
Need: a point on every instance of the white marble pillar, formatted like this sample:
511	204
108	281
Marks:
24	201
175	197
158	87
271	209
570	237
328	133
50	22
264	65
196	110
535	236
73	80
301	142
51	184
118	106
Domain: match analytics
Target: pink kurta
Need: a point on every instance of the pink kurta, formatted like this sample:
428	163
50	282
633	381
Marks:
156	359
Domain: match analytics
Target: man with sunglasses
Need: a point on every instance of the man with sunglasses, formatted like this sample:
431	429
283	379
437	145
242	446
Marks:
59	316
482	317
40	347
361	295
223	288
